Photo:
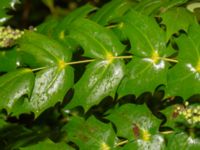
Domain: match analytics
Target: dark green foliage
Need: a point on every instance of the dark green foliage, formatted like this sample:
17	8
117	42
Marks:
125	76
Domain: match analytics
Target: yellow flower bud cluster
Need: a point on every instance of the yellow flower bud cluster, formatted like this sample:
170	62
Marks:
190	113
8	36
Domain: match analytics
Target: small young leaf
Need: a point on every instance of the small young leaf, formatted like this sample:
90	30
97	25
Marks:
184	78
101	79
134	122
90	134
174	19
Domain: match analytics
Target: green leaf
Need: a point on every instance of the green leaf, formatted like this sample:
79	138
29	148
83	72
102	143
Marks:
174	19
184	77
111	10
9	60
147	69
90	134
13	86
77	14
100	79
97	42
143	75
134	122
156	143
6	4
38	50
182	141
56	78
149	7
148	37
50	87
48	144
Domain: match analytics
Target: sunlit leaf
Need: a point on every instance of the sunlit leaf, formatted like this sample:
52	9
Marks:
147	69
100	79
13	86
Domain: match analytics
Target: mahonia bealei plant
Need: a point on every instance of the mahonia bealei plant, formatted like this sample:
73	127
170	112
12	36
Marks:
125	76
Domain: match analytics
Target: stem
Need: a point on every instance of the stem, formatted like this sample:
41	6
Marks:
115	57
169	59
122	143
80	62
123	57
41	68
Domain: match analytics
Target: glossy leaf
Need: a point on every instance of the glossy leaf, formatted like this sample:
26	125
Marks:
100	79
134	122
48	144
13	86
184	78
52	83
111	10
143	75
90	134
174	19
147	69
38	50
96	41
156	143
145	36
50	87
183	141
